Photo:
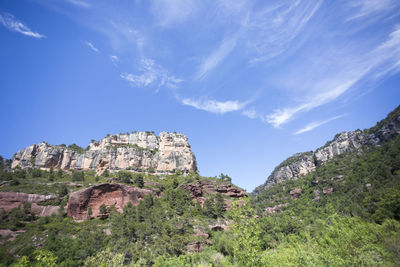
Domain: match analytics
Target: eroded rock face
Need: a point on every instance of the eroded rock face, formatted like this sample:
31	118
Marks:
10	200
304	163
204	187
344	142
143	151
116	195
301	164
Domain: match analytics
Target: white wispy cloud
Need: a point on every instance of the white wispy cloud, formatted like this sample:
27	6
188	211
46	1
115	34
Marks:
123	35
91	46
315	124
281	116
384	59
211	61
270	31
250	113
151	74
79	3
265	33
12	24
371	7
214	106
170	12
114	59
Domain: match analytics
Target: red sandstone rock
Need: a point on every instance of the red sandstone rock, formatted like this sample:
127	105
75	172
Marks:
10	200
203	187
116	195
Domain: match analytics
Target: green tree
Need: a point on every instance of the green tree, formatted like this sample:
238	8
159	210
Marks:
63	191
103	209
225	177
124	177
106	173
51	174
209	208
219	205
246	232
60	174
105	258
90	212
78	176
139	181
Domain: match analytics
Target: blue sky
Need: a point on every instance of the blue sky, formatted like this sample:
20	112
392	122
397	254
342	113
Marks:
249	82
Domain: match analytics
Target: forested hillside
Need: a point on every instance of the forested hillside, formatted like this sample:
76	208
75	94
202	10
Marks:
345	212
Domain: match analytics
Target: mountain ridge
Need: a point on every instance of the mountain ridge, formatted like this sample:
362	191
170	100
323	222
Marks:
136	151
301	164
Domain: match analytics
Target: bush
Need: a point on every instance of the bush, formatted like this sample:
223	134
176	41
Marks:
139	181
78	176
124	177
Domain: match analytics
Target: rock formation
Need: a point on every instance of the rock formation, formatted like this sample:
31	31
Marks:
295	193
204	187
10	200
302	164
142	151
93	197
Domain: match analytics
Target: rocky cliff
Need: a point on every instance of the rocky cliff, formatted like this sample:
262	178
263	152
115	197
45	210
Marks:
206	187
141	151
10	200
302	164
93	197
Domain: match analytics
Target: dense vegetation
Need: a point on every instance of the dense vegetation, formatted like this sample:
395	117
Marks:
345	213
158	227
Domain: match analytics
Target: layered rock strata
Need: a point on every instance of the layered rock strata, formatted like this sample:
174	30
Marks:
205	187
142	151
302	164
93	197
10	200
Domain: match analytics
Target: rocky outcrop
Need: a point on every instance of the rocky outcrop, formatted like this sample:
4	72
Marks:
342	143
298	165
10	200
274	209
205	187
302	164
142	151
295	193
93	197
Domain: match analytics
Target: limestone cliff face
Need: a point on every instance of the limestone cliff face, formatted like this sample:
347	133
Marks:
343	142
303	163
297	165
142	151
